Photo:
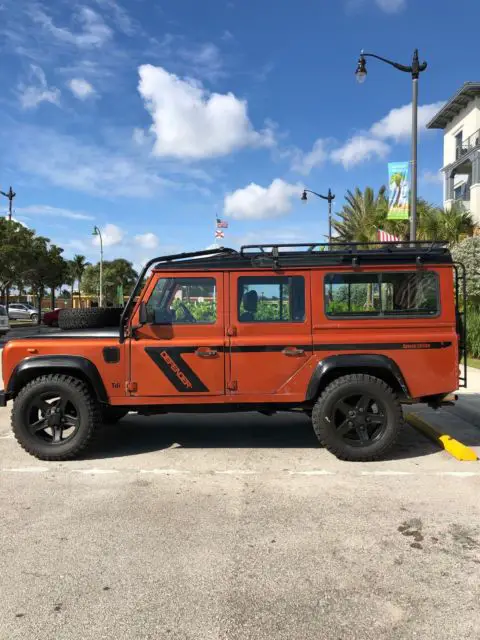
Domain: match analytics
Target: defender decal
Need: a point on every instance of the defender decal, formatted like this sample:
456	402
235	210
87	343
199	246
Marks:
171	363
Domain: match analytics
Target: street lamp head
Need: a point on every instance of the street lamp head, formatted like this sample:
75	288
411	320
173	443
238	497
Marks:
361	70
304	197
95	231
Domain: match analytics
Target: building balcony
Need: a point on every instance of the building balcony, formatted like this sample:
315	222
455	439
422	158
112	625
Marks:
467	145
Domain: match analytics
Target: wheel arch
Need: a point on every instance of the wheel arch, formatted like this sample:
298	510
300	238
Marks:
76	366
376	365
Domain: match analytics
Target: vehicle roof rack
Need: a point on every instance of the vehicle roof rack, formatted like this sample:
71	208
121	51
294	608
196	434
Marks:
344	247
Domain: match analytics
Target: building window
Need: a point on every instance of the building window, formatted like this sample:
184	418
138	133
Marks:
412	293
271	299
183	301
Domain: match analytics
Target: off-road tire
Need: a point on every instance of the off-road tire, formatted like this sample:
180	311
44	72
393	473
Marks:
88	409
95	318
111	415
325	430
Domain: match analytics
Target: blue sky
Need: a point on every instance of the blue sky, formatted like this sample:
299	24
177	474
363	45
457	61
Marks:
148	118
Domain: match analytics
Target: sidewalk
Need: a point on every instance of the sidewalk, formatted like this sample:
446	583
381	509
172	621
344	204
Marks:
468	405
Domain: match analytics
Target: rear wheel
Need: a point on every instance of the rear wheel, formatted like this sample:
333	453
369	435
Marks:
34	318
54	417
357	417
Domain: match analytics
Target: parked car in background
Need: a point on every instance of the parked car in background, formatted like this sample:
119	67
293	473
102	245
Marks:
4	323
51	318
22	311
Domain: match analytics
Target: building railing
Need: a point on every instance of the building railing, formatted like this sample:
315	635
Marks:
467	145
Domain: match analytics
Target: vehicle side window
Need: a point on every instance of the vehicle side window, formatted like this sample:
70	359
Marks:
3	311
271	299
183	301
413	293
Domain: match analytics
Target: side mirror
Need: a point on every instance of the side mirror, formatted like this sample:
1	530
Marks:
142	314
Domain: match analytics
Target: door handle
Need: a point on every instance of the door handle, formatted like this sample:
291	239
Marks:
293	351
203	352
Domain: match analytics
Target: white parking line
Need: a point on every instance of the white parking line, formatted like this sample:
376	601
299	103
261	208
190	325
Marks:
95	471
243	472
164	472
26	470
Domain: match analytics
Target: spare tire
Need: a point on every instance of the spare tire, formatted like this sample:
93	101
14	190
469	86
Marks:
94	318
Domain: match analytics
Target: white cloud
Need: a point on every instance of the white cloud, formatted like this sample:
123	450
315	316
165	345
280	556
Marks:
111	235
359	149
391	6
64	161
93	32
120	16
304	162
47	210
397	124
191	123
81	88
37	90
255	202
204	60
147	240
432	177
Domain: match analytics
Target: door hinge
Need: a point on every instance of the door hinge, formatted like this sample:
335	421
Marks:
232	331
131	387
232	385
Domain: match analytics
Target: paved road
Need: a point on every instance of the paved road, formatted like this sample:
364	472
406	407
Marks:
201	527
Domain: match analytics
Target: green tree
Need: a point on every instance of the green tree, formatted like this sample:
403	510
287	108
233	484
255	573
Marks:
116	272
468	252
77	267
47	269
15	254
452	224
58	271
361	216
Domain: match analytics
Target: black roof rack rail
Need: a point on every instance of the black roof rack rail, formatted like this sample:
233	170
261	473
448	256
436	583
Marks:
160	260
345	247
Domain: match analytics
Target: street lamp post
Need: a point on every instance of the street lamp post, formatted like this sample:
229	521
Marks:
10	195
97	232
330	197
414	69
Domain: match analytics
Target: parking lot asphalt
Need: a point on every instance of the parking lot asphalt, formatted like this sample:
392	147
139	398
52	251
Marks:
233	527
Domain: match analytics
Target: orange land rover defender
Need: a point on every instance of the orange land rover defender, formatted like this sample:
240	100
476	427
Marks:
345	333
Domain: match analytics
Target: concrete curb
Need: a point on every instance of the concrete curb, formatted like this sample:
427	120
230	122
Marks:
455	448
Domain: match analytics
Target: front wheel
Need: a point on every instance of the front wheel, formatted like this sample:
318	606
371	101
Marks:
357	417
54	417
34	318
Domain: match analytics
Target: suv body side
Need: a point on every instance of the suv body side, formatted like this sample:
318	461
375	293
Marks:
233	360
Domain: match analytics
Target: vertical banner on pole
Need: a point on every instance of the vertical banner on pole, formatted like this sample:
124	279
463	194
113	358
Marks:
399	190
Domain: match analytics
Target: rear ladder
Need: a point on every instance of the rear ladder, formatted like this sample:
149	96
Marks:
461	314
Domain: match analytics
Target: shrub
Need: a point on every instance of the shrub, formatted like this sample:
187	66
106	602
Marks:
473	331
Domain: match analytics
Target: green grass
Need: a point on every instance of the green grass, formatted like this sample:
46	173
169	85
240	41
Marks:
473	362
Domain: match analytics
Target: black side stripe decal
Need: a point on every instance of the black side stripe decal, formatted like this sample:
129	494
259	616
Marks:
366	346
171	363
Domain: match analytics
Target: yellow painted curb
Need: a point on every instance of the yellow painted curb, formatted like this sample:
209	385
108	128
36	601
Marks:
455	448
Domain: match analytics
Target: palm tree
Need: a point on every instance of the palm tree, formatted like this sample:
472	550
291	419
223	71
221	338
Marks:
362	215
77	268
452	224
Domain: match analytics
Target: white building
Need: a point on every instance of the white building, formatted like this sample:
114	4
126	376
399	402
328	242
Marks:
460	121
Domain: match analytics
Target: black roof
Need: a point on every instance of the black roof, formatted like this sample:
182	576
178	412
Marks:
308	255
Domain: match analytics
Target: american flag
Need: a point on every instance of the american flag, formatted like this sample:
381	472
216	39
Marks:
222	224
383	236
219	234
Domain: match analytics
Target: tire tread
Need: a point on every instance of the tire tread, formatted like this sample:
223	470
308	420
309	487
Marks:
361	378
94	416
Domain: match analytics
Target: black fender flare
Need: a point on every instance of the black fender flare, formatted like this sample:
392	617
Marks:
77	366
346	363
